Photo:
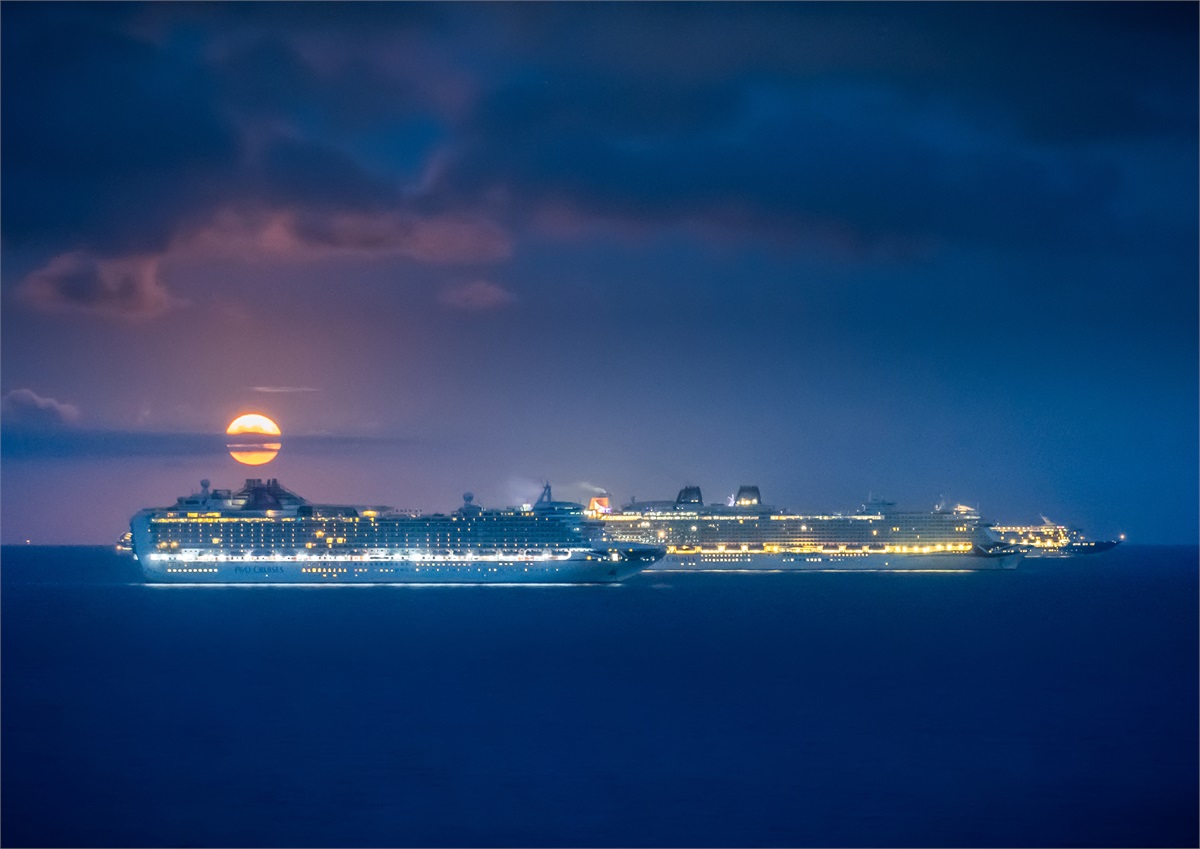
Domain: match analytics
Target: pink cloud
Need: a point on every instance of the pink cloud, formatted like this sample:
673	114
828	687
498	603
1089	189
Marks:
131	288
127	287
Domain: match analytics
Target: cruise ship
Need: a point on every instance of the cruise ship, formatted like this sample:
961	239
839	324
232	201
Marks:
1052	540
264	533
747	535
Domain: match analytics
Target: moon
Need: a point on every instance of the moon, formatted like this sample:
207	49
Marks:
253	445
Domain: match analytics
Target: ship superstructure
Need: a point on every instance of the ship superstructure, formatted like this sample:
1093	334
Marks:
745	533
265	533
1052	540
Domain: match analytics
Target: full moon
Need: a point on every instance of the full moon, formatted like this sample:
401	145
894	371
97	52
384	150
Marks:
253	445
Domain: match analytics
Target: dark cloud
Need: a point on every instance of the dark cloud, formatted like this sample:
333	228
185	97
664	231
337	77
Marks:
1070	73
298	173
336	91
1058	70
862	125
126	288
119	149
24	409
360	21
617	106
108	140
266	78
800	167
129	130
100	443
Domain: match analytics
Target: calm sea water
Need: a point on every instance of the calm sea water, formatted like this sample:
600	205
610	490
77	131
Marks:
1055	705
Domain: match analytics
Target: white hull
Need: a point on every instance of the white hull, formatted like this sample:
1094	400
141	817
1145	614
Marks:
838	561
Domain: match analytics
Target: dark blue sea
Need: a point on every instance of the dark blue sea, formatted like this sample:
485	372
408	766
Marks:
1054	705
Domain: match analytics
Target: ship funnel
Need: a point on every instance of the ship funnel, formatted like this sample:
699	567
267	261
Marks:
747	496
689	495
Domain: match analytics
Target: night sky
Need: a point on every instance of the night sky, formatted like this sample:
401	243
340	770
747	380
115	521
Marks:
912	251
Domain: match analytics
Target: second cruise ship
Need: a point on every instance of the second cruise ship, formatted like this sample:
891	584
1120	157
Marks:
1053	540
747	535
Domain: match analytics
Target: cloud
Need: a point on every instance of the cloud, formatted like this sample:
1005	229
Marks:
50	443
297	172
847	129
301	235
476	295
436	239
24	408
130	287
836	164
298	134
176	149
111	144
1059	71
127	288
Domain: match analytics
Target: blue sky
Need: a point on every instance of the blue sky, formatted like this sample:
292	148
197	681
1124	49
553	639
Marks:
911	250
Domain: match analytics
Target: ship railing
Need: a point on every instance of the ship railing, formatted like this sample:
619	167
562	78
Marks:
366	556
941	548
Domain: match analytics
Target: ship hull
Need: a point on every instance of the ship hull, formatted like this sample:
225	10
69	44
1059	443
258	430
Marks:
839	561
1071	549
333	571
